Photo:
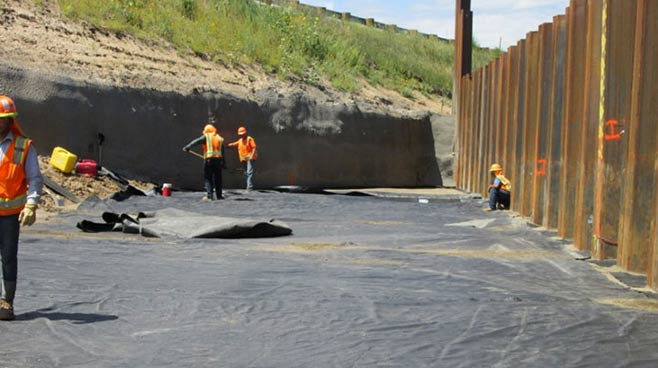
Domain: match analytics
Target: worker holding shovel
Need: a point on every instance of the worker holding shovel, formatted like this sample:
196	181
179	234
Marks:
20	189
213	155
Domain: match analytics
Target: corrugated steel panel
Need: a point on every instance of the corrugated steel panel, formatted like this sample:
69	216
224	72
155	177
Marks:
573	114
543	102
636	246
556	113
614	116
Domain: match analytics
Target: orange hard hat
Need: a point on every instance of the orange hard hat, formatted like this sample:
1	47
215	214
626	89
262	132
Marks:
496	167
7	107
8	110
242	130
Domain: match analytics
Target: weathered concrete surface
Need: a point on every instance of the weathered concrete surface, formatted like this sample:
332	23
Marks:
300	141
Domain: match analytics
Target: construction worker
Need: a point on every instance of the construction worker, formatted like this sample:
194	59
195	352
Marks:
213	154
247	153
20	189
499	190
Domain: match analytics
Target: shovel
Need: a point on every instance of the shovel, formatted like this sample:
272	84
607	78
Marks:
201	156
196	154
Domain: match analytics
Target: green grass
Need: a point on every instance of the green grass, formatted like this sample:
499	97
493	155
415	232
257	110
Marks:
291	43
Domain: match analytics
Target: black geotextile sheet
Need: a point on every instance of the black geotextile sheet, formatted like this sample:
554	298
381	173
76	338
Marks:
362	282
171	222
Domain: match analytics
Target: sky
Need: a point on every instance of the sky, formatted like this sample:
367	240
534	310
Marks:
495	22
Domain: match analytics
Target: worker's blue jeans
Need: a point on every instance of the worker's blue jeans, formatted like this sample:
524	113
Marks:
9	229
249	168
497	196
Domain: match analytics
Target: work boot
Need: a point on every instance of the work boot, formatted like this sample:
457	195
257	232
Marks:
6	310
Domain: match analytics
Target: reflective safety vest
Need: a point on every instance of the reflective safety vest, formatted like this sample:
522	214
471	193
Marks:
213	146
506	185
13	185
247	150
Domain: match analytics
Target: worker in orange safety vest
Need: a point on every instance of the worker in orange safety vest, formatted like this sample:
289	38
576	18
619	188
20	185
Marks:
248	155
499	190
20	189
213	154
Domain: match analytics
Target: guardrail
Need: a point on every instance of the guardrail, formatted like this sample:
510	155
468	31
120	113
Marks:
571	112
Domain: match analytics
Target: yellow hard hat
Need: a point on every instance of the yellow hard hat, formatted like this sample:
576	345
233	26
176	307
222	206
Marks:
209	128
496	167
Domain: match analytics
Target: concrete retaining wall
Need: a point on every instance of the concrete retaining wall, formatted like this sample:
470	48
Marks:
300	142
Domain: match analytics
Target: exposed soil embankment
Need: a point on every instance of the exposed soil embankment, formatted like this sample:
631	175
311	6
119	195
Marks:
73	81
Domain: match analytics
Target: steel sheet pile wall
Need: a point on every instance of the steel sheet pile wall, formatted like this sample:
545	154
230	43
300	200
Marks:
571	112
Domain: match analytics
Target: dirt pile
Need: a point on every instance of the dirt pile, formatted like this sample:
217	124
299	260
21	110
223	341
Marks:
78	185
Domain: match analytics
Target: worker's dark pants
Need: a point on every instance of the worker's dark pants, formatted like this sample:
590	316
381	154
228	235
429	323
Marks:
498	196
212	174
9	228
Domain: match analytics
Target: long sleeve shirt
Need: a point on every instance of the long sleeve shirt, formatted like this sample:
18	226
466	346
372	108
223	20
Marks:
32	172
199	141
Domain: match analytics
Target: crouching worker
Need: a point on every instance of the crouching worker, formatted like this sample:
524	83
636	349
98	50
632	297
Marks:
499	190
20	189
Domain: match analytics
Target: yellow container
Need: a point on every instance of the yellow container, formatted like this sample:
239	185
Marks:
63	160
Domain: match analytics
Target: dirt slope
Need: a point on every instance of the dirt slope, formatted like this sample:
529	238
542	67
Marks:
39	38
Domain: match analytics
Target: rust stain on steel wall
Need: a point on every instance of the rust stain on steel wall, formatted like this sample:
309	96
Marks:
512	57
617	70
588	140
483	129
554	133
474	114
501	103
461	118
517	128
491	124
530	118
545	75
573	114
469	133
642	133
479	126
461	132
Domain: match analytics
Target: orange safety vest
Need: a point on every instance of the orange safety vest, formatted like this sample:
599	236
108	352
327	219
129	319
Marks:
506	185
13	185
213	146
246	150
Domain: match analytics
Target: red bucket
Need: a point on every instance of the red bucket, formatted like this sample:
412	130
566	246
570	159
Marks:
166	190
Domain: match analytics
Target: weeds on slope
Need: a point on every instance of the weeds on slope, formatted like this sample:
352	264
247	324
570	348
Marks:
291	43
